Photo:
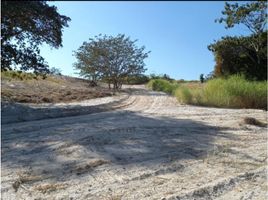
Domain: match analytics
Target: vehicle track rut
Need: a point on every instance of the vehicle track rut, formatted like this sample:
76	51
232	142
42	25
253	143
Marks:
142	145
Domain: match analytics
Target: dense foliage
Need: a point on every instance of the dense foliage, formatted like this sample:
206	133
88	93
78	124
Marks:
24	26
136	79
239	55
246	55
109	58
163	85
251	14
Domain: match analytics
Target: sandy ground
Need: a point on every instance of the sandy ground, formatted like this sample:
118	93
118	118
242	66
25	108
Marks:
140	145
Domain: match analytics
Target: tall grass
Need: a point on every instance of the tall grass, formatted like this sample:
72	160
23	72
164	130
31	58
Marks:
163	85
234	92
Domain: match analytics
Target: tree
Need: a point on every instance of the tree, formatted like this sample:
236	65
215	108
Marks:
210	76
245	55
110	58
55	71
167	77
202	78
236	55
253	15
24	26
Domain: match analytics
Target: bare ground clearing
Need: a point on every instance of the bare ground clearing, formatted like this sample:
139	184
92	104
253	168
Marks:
138	146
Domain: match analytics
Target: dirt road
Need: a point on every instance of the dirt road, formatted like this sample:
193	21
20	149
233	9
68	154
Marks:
138	146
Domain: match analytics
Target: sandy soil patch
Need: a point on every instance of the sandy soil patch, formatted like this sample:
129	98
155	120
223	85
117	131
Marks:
146	147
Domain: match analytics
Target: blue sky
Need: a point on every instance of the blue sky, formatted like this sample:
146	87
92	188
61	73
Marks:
176	33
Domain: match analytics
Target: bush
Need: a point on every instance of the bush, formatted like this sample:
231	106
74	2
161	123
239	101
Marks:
234	92
184	95
136	79
161	76
163	85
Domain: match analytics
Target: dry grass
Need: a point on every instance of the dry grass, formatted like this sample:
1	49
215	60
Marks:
84	168
115	197
46	188
25	178
50	90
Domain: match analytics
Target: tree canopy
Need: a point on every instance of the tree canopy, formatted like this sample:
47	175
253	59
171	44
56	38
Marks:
237	55
110	58
24	26
246	55
252	14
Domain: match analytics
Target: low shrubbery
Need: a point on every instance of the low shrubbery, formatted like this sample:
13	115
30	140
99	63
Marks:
163	85
136	79
234	92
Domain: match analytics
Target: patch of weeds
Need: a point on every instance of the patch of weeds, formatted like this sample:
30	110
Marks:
25	178
253	121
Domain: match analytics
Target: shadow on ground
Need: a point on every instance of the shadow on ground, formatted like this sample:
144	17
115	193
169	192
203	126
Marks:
68	148
17	112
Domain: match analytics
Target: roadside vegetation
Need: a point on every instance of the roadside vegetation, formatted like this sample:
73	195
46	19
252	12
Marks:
166	86
232	92
239	78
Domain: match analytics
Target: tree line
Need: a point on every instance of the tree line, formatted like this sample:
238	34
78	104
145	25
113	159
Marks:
117	59
244	55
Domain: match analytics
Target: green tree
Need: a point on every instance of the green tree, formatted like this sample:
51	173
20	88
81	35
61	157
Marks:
55	71
202	78
252	14
245	55
25	25
236	55
110	58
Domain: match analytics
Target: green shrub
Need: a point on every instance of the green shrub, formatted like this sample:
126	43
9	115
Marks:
163	85
184	95
136	79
